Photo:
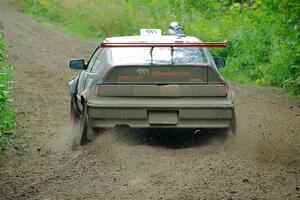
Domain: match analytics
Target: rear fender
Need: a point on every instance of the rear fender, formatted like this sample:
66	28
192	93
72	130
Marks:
73	86
73	92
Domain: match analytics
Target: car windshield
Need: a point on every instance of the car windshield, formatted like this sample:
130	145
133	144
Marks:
160	55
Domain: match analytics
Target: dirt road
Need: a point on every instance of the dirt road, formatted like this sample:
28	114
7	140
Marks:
261	162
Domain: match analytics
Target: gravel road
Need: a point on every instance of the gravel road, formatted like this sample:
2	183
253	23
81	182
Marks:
262	161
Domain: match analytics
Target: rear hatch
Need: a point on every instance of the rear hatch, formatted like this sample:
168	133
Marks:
162	81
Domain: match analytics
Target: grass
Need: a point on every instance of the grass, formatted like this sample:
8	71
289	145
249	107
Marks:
263	36
7	117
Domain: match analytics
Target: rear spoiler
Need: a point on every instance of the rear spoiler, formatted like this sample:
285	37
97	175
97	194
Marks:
171	45
152	45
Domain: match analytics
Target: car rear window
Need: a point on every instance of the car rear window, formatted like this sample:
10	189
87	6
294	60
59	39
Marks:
165	74
159	55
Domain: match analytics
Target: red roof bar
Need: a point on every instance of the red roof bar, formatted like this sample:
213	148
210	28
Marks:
198	44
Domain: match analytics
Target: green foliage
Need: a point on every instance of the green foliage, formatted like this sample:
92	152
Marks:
263	35
7	117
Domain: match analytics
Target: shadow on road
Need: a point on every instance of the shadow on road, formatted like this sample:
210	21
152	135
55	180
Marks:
170	138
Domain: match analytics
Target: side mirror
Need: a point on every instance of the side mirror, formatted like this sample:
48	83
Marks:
78	64
220	62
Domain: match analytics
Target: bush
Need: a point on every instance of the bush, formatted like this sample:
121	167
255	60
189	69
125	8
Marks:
6	112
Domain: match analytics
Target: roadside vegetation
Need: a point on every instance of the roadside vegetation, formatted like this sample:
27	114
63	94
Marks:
7	116
263	35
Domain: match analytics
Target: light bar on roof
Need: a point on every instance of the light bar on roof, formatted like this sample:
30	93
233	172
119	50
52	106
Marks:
196	44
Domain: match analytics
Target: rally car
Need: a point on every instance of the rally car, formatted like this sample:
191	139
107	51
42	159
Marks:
151	81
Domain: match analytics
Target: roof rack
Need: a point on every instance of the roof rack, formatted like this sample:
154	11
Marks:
196	44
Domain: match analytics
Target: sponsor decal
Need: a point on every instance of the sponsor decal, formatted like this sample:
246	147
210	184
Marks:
129	78
158	73
142	71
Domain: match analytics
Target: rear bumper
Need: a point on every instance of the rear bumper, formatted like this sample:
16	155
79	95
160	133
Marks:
185	112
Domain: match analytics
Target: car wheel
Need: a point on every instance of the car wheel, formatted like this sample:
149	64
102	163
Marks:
233	123
73	115
84	128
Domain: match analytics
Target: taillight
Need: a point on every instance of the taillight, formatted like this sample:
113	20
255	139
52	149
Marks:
224	90
101	90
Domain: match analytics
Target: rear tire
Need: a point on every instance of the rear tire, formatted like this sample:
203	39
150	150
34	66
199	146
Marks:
84	128
232	128
73	116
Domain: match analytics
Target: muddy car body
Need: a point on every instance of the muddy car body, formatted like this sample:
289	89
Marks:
156	85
